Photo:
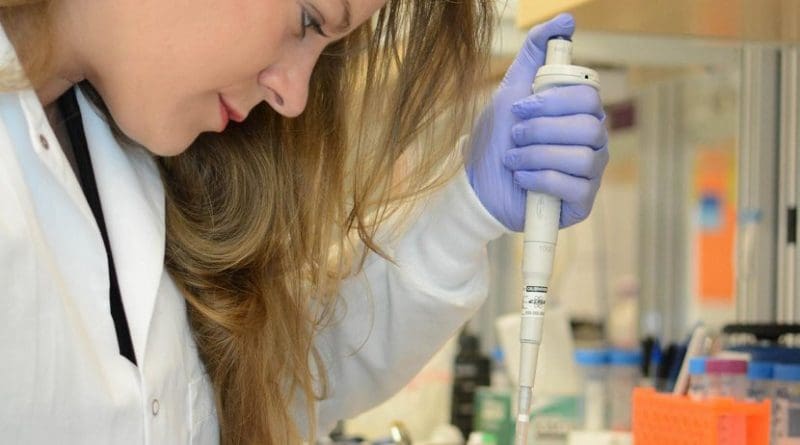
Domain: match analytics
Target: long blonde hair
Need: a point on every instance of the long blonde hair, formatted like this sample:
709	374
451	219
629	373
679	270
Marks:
264	220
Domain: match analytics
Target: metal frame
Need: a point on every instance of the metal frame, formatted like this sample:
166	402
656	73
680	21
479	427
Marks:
756	243
663	213
787	310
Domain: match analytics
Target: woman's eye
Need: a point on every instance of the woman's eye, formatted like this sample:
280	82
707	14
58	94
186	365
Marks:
307	21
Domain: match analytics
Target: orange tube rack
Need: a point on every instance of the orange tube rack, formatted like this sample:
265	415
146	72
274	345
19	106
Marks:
666	419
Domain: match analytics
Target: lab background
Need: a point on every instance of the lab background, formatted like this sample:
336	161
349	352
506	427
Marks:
691	246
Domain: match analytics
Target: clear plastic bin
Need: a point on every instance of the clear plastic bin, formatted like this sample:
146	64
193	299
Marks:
727	378
759	381
593	364
624	374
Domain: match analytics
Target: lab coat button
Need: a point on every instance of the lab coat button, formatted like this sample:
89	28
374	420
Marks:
156	407
43	141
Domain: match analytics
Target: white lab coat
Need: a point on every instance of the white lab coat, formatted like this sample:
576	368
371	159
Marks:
62	379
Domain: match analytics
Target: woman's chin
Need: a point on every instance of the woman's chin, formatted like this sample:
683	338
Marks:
167	147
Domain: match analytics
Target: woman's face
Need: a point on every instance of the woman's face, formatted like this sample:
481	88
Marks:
170	70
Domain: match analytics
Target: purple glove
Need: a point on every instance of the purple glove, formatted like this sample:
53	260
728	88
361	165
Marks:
554	142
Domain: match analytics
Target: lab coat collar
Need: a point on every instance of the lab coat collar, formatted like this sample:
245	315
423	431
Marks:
132	196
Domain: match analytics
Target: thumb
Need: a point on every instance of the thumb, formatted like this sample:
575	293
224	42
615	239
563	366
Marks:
531	56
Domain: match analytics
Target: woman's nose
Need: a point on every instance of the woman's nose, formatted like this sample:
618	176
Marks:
286	86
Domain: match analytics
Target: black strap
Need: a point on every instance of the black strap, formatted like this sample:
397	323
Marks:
68	105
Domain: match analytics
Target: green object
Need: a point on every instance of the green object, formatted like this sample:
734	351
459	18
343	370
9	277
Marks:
567	407
494	416
553	417
489	439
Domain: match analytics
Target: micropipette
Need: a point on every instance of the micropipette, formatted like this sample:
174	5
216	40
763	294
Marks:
541	232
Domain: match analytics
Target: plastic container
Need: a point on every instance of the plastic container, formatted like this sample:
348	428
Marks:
787	403
698	379
624	373
759	381
727	378
665	419
593	364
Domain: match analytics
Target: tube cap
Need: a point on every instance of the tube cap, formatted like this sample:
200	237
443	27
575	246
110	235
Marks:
591	357
697	365
726	366
760	370
787	373
626	357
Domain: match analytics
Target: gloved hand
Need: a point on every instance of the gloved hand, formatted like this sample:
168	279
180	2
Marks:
553	142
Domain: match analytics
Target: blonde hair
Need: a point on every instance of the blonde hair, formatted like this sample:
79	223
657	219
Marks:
265	219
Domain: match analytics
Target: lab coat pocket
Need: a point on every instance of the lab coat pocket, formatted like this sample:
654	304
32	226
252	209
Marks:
205	429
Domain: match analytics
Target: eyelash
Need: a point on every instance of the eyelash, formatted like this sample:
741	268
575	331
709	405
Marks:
307	21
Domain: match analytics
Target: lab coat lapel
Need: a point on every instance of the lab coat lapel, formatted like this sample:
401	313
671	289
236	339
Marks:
132	196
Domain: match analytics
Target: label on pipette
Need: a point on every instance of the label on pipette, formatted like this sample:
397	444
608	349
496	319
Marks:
533	301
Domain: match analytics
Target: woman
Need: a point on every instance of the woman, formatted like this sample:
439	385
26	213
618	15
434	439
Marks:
324	255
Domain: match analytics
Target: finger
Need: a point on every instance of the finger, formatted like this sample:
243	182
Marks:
560	101
567	188
532	54
578	129
573	214
579	161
